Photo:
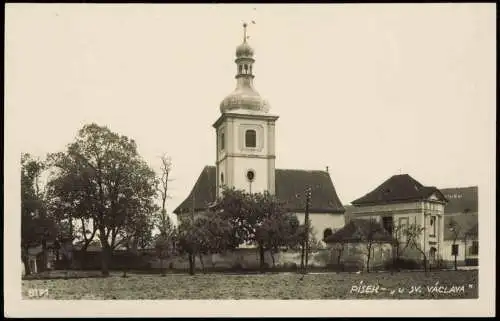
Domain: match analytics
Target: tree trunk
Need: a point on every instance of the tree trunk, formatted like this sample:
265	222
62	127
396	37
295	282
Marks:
456	267
262	258
162	268
26	261
272	258
368	258
43	266
339	257
105	258
302	257
200	256
191	263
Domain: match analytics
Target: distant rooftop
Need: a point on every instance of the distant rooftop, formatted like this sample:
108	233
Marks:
398	188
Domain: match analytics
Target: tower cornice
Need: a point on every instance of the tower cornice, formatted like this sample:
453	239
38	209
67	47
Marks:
224	116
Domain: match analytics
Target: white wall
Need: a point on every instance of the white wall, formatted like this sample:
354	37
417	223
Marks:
236	159
321	221
414	213
462	248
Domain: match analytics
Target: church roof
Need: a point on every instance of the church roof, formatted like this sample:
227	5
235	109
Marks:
398	188
290	186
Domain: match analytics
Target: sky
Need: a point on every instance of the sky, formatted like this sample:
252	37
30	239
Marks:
368	90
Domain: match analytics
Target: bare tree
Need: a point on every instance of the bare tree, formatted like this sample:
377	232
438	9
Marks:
455	229
413	233
398	244
371	236
164	242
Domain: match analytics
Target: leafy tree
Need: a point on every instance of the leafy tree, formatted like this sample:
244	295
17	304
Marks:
277	232
37	225
102	177
206	234
258	219
189	241
165	241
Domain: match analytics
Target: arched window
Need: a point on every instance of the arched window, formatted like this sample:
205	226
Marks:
327	232
246	68
222	141
240	68
250	138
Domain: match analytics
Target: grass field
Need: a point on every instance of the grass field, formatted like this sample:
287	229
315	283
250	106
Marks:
282	286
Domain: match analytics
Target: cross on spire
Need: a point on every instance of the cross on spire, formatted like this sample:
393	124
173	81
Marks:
245	32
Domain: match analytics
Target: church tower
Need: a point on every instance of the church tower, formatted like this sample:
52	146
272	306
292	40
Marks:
245	132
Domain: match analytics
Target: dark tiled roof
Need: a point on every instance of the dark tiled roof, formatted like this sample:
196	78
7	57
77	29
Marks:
468	224
290	185
359	230
398	188
461	199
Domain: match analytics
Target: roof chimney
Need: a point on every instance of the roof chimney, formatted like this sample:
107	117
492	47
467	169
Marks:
327	169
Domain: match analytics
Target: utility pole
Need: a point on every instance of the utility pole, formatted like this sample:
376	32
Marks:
305	240
306	220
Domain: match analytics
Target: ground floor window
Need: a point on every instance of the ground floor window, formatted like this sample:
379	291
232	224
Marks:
474	249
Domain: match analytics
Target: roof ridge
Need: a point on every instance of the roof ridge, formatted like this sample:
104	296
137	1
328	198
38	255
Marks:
302	170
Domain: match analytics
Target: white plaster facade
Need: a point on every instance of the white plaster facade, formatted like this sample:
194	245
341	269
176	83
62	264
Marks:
428	214
234	159
321	221
465	250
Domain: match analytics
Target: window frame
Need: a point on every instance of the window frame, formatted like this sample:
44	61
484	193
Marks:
247	131
222	142
432	223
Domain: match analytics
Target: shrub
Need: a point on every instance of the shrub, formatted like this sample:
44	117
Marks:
402	264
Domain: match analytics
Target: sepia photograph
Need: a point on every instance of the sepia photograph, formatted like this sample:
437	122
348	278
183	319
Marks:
249	159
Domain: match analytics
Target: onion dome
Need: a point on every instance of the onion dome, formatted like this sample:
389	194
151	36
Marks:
244	97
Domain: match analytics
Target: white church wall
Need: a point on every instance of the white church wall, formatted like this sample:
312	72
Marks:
260	126
239	175
321	221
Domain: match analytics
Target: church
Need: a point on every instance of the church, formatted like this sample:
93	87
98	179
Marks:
245	134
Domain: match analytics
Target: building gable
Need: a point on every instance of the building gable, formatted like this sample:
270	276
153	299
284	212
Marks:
399	188
290	186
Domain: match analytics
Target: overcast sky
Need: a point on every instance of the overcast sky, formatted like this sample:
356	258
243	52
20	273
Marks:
368	90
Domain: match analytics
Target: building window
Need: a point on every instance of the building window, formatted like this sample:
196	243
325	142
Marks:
454	249
240	69
250	138
402	226
433	226
222	141
250	175
327	232
474	249
222	178
387	222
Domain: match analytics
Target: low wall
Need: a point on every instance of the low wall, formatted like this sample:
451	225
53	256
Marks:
245	259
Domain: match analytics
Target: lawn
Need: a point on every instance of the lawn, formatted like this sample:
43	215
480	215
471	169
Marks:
402	285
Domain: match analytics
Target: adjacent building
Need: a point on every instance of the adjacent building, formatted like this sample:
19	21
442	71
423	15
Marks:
400	202
461	226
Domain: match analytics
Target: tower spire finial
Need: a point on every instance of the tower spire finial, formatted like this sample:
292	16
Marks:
245	32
